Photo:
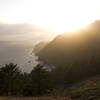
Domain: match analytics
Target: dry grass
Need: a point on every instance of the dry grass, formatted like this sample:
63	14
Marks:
35	98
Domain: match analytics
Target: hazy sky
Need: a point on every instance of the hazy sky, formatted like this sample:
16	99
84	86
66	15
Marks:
59	15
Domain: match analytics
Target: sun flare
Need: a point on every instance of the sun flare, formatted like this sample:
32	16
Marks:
65	15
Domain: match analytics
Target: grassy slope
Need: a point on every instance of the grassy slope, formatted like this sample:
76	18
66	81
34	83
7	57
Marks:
86	90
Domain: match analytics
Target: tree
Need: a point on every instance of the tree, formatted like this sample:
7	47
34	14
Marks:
40	80
10	79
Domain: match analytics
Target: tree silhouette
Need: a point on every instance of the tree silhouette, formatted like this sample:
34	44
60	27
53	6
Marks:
40	80
9	79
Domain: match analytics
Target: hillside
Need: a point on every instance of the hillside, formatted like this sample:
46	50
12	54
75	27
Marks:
39	47
85	90
66	48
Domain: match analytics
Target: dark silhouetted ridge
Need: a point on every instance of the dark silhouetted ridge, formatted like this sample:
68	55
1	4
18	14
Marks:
74	46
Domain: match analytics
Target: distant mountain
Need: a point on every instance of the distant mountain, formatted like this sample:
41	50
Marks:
71	47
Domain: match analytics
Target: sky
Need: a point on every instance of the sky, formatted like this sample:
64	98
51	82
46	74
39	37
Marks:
58	15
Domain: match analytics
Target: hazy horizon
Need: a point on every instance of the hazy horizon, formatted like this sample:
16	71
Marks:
17	42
